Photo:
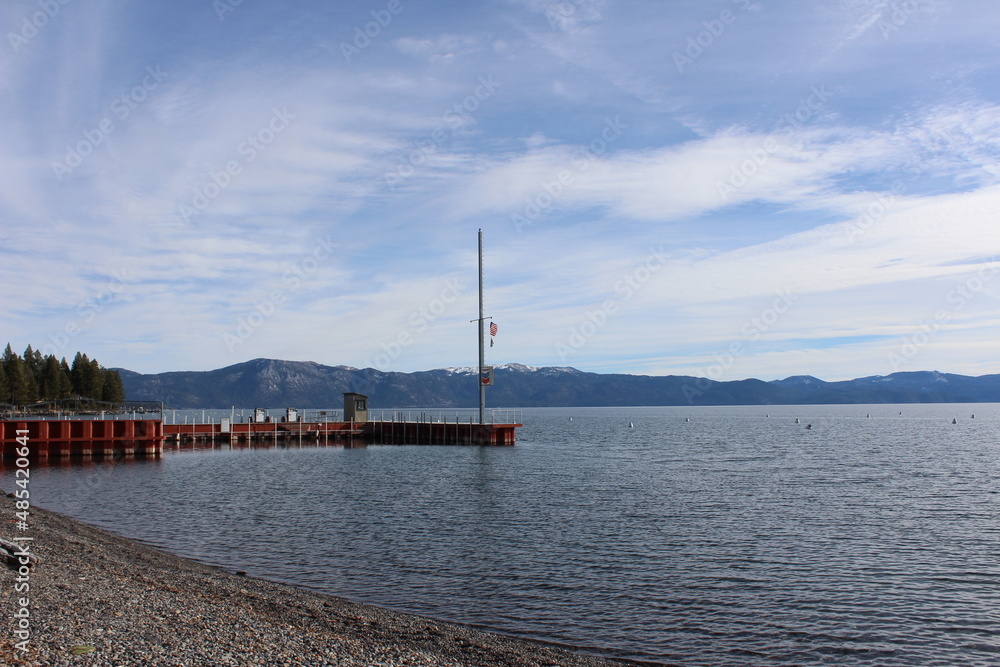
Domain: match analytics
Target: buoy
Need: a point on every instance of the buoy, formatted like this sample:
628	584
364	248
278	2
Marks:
869	415
809	427
687	419
953	421
796	420
631	425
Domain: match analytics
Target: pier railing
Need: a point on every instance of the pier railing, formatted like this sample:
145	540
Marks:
191	417
494	416
95	415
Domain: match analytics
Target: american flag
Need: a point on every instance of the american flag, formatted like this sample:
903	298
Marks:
493	328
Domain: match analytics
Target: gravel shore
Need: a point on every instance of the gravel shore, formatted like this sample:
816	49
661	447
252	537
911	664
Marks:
98	599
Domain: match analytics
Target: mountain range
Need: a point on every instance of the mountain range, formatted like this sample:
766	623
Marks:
306	384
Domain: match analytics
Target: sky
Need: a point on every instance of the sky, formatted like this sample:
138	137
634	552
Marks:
716	188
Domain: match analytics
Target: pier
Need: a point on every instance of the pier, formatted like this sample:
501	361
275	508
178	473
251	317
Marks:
80	437
398	428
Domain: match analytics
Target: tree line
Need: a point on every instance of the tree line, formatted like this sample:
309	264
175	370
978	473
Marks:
35	378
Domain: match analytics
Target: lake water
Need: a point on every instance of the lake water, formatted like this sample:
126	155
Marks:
699	536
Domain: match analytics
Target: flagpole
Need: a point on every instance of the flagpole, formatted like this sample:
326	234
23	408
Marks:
482	345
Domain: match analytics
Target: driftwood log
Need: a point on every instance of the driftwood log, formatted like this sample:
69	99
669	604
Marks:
11	554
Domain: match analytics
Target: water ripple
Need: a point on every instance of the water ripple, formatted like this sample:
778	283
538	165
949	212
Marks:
735	538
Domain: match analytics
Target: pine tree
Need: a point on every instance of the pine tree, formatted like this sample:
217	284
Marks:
95	381
48	388
114	390
17	382
65	387
37	377
80	362
34	363
4	386
30	386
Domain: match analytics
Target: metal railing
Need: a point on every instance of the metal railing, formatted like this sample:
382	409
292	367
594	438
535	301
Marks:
457	416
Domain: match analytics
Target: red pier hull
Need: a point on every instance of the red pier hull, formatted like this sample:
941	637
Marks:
82	437
145	437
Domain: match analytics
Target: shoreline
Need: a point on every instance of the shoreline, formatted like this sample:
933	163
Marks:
117	602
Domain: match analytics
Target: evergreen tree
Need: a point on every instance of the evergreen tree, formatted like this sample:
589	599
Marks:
65	380
34	363
37	377
114	390
30	386
95	381
17	378
48	388
80	362
4	386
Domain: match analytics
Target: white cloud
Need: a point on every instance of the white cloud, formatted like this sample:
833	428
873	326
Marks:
869	210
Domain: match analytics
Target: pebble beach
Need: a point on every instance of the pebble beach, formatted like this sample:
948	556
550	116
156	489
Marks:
98	599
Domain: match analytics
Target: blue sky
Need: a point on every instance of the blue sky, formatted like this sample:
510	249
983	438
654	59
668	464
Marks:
725	188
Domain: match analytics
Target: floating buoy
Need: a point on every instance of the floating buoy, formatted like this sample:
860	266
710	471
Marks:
953	421
571	419
796	420
869	415
631	425
809	427
687	419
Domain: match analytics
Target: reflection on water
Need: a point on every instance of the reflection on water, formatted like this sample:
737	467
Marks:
708	536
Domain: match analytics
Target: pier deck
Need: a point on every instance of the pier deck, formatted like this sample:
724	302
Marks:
83	437
370	432
146	437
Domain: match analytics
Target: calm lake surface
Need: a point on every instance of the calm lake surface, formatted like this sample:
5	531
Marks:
700	536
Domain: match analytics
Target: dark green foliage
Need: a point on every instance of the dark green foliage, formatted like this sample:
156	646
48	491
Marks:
36	378
65	387
17	378
113	390
4	386
80	361
94	381
49	385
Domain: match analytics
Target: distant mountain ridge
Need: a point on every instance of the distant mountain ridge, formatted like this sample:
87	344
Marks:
306	384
